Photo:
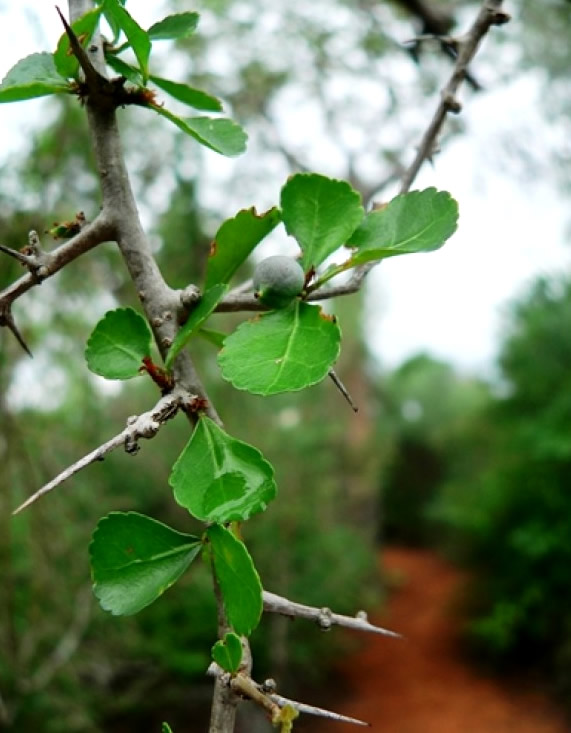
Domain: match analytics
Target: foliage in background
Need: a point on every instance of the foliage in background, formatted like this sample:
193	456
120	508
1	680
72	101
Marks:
511	523
484	476
426	422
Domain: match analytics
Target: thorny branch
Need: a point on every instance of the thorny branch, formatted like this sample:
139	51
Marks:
146	425
42	264
323	617
119	221
490	14
265	696
159	301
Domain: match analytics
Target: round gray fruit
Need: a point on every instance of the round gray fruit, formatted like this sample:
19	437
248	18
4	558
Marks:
278	280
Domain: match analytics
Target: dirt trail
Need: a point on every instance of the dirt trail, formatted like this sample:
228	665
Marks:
421	684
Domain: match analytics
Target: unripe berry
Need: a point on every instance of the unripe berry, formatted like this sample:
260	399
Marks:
278	280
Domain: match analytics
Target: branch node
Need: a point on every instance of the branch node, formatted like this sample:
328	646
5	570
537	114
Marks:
325	619
189	296
269	686
34	246
451	103
500	17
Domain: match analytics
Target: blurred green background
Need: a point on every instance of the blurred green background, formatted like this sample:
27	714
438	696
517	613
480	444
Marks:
476	466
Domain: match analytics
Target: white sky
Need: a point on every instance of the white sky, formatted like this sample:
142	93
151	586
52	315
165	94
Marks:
450	302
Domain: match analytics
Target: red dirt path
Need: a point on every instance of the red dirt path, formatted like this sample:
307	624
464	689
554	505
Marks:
421	684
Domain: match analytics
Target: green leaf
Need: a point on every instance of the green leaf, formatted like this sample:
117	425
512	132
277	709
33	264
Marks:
121	67
115	27
188	95
235	240
321	213
165	728
118	344
33	76
198	315
134	559
419	221
84	28
221	479
281	351
216	338
238	580
138	38
222	135
172	27
227	653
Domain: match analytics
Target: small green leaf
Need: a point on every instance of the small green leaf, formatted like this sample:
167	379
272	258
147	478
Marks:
172	27
165	728
115	27
221	479
188	95
121	67
197	317
118	344
138	38
33	76
227	653
238	579
321	213
281	351
235	240
216	338
222	135
134	559
84	28
419	221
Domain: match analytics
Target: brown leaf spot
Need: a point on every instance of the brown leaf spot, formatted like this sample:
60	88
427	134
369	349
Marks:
327	316
213	248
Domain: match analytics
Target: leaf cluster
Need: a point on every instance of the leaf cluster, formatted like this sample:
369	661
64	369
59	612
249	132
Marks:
45	74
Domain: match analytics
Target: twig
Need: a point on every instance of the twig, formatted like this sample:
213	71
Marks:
343	389
24	259
490	14
146	425
237	301
302	707
265	697
48	263
324	617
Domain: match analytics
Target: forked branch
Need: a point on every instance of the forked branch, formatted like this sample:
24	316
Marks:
265	696
42	264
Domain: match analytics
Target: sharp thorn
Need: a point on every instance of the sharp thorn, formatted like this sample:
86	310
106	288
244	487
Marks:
341	387
6	319
15	254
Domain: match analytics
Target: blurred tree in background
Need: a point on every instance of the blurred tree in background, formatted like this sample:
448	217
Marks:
510	523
